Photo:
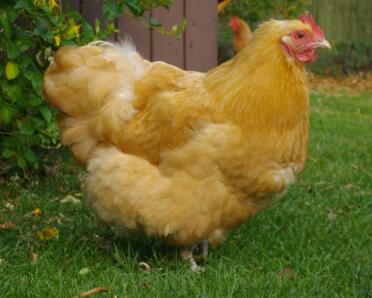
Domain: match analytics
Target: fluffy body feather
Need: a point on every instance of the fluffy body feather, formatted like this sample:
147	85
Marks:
182	155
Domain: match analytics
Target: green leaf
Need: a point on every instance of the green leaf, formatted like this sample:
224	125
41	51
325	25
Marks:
8	153
11	70
12	91
21	161
112	9
135	7
22	4
41	27
30	155
27	128
4	24
46	113
34	101
6	114
154	22
12	50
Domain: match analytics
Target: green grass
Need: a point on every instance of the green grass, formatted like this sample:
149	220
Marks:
317	242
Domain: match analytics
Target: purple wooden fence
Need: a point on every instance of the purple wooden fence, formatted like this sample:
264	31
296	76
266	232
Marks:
196	50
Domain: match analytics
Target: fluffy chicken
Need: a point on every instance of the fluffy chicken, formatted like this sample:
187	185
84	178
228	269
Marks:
180	155
242	33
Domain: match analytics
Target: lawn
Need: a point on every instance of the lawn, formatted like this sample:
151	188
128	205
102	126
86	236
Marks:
316	242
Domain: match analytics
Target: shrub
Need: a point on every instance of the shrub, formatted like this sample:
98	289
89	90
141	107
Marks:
346	57
30	33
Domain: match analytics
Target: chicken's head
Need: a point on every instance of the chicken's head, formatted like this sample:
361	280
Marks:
302	40
234	24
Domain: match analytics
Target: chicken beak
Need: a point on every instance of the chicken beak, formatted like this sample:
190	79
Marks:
322	44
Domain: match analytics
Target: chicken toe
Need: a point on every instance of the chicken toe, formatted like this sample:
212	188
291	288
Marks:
187	255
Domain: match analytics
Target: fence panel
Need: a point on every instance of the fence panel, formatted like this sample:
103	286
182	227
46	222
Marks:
344	19
196	50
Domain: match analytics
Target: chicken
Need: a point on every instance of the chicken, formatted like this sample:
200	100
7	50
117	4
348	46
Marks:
187	156
242	33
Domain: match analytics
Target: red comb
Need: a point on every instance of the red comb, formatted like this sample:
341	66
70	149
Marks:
308	19
234	23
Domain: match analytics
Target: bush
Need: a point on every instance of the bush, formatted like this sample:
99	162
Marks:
30	33
346	57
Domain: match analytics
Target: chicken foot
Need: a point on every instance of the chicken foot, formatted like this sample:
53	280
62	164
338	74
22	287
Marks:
187	255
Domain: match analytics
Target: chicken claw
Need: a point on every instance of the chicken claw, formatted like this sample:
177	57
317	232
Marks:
187	255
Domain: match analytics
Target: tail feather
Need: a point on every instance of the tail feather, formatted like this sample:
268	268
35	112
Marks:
93	87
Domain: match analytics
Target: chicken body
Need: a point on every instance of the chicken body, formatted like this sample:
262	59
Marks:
181	155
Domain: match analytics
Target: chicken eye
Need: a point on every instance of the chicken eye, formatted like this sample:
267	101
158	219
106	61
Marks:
300	35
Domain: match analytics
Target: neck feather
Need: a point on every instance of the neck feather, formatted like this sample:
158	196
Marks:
260	87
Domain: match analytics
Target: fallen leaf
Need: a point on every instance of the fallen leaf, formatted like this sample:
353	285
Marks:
70	199
288	273
96	238
8	225
349	186
332	215
84	271
36	212
34	257
144	266
92	292
144	285
9	206
47	233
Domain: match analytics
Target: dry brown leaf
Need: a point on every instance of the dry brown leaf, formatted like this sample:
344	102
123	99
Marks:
349	186
8	225
34	257
92	292
144	285
9	206
145	266
332	215
287	272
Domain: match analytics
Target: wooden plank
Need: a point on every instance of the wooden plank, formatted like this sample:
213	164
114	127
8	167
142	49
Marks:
91	10
73	4
344	20
164	47
132	28
201	34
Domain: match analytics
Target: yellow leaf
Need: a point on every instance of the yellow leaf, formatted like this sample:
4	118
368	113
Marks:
57	40
47	233
36	212
11	70
52	3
